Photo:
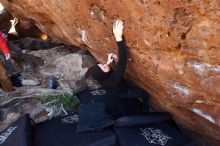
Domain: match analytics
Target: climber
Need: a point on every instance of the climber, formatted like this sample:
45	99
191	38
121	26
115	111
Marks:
112	80
4	79
102	72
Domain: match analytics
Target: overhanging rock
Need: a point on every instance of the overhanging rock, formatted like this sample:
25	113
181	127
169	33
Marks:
173	44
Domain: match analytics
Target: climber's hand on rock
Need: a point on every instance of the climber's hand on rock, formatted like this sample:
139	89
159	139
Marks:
110	58
7	56
118	30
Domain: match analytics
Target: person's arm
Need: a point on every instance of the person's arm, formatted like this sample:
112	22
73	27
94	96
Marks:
116	75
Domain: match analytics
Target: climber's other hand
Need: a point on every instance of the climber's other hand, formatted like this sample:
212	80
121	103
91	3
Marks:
118	29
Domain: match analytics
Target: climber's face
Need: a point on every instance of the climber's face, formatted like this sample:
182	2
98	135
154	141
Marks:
104	67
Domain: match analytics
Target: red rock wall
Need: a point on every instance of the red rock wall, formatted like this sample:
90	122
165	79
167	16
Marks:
173	44
23	28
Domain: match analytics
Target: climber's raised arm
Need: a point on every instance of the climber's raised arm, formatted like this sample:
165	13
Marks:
117	74
101	72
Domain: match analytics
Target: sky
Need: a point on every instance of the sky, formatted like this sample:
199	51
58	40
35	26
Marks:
1	8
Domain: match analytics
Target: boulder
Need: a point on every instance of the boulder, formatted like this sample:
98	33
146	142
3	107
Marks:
62	60
34	44
173	45
5	21
70	68
29	29
23	28
68	63
25	100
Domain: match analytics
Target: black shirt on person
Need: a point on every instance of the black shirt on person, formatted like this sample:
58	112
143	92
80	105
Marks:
114	81
112	78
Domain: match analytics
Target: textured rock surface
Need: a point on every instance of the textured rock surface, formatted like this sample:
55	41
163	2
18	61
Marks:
68	63
25	100
23	28
173	44
37	67
5	21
